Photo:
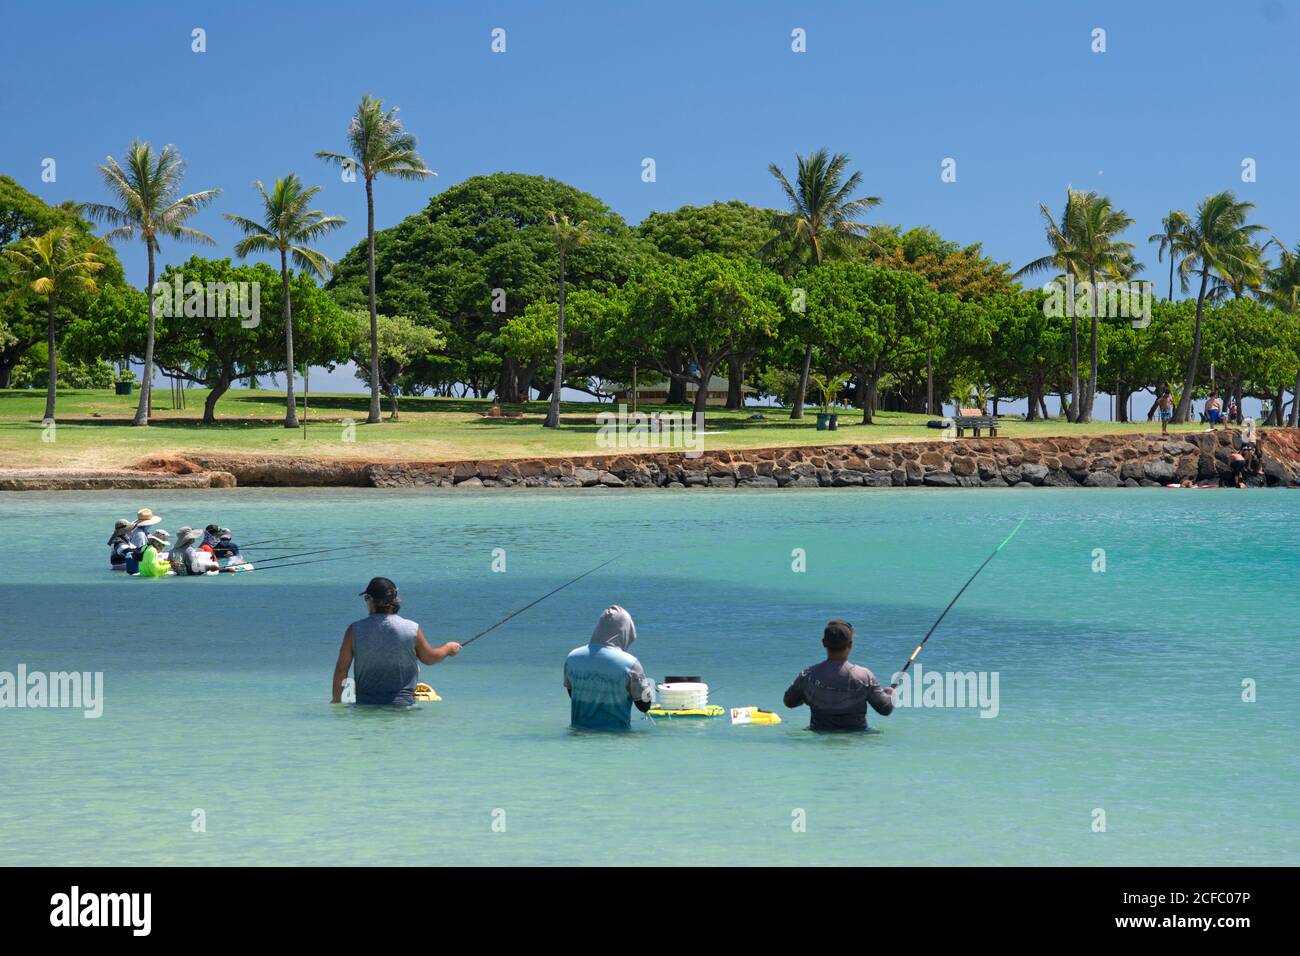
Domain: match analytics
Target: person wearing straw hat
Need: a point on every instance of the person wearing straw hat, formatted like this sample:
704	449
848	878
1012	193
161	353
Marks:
119	543
385	651
152	562
139	538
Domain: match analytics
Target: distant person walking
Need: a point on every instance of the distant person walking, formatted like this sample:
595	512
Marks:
385	651
1213	410
1165	410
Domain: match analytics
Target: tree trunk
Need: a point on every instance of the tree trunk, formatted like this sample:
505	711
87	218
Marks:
702	392
797	412
392	397
872	380
290	403
553	409
1089	396
374	417
146	378
1035	399
6	375
1185	401
51	387
1295	403
735	383
210	403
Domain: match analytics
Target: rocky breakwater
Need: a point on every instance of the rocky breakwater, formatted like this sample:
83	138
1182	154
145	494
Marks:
1102	461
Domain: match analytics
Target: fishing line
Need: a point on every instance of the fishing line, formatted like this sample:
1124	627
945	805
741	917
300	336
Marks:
538	601
954	601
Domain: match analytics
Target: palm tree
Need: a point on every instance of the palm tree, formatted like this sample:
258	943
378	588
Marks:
288	228
1171	227
822	222
1244	276
150	205
380	147
1217	239
1282	290
1085	245
51	265
568	236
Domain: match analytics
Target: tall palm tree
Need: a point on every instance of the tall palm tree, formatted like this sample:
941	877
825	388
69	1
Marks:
568	236
1217	239
1242	277
822	222
289	225
52	265
379	147
1171	227
1282	290
149	205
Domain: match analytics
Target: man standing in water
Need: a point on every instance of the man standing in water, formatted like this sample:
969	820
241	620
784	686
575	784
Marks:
836	691
385	651
604	681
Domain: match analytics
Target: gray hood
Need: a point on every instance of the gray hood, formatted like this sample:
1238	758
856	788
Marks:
614	628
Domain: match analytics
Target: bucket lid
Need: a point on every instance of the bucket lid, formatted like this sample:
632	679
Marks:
682	680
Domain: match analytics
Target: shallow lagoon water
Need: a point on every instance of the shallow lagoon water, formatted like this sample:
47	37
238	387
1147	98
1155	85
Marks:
1118	690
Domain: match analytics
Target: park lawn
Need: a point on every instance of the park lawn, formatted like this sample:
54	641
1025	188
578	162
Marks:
94	429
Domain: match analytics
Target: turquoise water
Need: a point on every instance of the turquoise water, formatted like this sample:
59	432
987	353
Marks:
1118	690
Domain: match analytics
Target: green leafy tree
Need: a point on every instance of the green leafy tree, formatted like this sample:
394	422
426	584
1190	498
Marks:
731	228
289	226
378	146
822	222
51	266
401	343
149	205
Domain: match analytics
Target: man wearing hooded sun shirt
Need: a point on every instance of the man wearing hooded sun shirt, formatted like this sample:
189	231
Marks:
604	681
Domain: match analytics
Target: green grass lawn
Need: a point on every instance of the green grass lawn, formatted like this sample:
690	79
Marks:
94	429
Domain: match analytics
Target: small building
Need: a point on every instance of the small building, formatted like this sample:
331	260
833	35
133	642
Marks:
650	394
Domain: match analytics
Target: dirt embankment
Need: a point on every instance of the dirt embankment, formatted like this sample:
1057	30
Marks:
1103	461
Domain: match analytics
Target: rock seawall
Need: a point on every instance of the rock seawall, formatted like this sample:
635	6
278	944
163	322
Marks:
1100	461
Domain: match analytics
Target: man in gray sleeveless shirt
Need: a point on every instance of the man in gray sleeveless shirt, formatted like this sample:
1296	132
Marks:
836	691
385	651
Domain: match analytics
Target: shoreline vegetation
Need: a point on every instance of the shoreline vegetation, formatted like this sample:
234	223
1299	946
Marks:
94	432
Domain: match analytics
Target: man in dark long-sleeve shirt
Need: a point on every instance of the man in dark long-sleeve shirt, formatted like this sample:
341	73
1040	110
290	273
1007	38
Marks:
836	691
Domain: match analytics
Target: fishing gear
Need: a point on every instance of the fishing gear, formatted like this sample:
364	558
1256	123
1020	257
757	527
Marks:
538	601
303	554
954	601
298	564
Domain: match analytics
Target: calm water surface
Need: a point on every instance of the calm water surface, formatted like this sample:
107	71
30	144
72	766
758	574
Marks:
1119	691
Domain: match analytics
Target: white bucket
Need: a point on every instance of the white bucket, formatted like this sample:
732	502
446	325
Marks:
683	696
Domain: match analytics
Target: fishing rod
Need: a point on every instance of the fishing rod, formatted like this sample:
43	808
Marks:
254	544
954	601
304	554
297	564
538	601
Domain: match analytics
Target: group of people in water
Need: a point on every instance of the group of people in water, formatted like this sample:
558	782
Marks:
142	548
605	682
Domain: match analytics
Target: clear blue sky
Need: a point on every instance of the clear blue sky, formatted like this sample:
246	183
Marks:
711	90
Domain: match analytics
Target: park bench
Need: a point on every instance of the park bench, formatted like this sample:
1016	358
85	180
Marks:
975	419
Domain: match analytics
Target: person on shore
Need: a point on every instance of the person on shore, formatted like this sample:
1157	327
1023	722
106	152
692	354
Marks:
836	691
603	679
153	563
1213	410
119	543
1248	434
385	651
1165	409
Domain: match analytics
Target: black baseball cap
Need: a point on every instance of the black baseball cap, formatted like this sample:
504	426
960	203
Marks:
381	590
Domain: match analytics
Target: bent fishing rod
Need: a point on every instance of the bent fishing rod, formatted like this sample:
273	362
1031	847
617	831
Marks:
538	601
936	624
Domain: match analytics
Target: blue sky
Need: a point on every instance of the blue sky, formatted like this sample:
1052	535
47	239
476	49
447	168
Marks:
710	90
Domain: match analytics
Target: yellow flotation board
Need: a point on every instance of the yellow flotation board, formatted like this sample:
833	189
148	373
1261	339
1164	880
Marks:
754	715
712	710
426	694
